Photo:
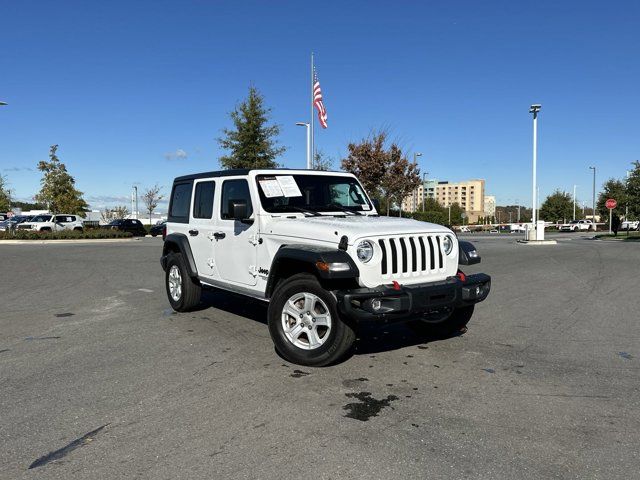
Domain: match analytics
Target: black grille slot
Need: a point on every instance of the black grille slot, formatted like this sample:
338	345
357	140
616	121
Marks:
384	256
414	260
424	254
439	252
394	256
431	254
403	248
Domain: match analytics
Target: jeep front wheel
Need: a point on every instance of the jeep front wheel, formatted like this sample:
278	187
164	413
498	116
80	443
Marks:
183	292
305	325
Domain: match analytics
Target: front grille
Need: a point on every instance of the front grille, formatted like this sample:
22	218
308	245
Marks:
411	255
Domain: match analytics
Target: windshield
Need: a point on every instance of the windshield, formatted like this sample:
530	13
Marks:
116	222
41	218
312	193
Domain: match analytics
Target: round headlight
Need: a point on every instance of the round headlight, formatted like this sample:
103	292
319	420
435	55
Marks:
365	251
447	244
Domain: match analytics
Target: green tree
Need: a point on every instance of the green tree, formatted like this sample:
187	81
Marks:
433	212
557	206
633	191
5	195
322	162
456	214
384	171
615	189
57	187
151	198
251	142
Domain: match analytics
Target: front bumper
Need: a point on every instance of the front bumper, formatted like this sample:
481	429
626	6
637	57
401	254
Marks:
388	304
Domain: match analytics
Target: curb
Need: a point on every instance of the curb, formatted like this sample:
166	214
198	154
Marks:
538	242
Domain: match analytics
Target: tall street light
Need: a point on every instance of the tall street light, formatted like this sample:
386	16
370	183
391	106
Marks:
534	109
415	191
593	211
424	190
309	160
574	202
3	103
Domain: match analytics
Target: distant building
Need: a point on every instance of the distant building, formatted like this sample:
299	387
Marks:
489	206
468	194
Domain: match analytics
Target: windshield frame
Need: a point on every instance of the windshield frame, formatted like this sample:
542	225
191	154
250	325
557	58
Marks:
268	206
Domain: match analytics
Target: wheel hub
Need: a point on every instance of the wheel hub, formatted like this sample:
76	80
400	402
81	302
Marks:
306	320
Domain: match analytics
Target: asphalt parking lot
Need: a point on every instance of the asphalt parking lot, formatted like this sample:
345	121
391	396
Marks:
100	379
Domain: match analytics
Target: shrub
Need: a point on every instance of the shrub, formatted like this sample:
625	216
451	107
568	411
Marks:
63	235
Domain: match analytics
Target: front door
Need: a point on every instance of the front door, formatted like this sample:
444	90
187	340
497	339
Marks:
235	241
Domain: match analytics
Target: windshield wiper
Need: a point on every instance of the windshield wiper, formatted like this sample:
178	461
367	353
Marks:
284	209
342	209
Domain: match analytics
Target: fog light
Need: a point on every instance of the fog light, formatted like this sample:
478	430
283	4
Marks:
376	304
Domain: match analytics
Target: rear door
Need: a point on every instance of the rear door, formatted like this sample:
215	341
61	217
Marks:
236	243
202	227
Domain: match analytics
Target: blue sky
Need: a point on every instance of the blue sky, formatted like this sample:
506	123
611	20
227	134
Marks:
121	86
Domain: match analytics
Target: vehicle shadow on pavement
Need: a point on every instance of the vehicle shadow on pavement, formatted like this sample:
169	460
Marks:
370	339
383	338
235	304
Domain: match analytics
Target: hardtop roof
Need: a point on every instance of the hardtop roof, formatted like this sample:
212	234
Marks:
245	171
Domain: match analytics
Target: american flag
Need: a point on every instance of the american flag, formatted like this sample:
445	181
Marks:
317	100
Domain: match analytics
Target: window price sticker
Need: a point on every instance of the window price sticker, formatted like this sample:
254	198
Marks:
271	188
288	186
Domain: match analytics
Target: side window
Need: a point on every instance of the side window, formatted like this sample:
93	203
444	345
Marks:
180	202
203	200
235	190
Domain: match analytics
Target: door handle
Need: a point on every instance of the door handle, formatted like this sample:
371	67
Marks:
219	235
193	233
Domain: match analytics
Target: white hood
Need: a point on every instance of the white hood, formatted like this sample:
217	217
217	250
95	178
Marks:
331	229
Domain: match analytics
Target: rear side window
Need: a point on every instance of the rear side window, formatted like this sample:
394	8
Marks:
180	202
235	190
203	200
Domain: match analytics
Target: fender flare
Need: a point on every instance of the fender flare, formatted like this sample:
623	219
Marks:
308	257
180	243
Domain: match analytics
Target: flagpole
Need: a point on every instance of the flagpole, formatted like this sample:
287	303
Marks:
310	159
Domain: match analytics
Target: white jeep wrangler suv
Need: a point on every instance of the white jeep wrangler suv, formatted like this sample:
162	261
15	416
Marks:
52	223
312	244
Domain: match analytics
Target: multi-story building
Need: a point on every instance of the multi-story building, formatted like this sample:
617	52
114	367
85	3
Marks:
489	206
469	195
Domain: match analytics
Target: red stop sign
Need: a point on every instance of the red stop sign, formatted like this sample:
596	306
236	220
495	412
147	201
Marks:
611	204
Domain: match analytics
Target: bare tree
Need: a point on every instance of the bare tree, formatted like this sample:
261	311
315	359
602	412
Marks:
151	198
115	213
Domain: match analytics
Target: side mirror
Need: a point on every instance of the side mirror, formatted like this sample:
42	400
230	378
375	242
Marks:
238	211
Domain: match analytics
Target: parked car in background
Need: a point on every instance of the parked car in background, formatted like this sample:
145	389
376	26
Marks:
517	227
157	229
576	225
51	223
130	225
13	221
630	225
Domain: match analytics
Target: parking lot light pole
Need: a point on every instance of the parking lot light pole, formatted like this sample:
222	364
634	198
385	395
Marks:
574	202
593	211
534	109
309	159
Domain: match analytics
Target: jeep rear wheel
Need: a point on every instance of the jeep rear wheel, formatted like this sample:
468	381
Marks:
305	325
183	292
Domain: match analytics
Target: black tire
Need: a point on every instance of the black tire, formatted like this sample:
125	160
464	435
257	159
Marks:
154	234
190	292
454	324
336	340
77	229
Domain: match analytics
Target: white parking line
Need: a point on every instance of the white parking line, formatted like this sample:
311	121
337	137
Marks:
146	290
